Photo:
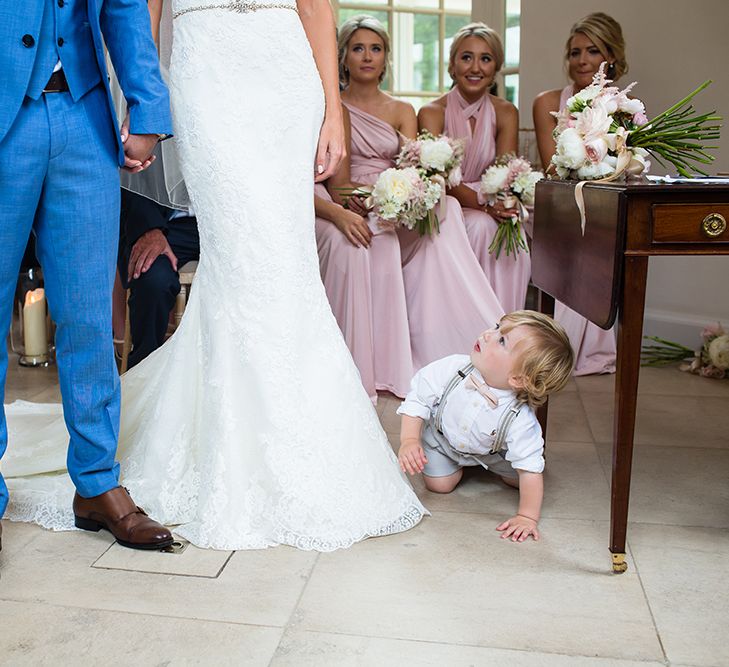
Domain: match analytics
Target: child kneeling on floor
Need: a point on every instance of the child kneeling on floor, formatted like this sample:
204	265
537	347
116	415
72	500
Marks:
482	412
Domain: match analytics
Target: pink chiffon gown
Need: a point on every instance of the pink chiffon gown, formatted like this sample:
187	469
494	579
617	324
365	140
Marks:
595	348
365	286
449	300
509	274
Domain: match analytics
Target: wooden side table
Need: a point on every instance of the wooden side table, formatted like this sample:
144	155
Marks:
602	275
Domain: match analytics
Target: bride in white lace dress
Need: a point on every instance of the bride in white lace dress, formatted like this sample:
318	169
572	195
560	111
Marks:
250	426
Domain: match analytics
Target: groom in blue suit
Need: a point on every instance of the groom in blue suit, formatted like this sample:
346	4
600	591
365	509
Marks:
60	151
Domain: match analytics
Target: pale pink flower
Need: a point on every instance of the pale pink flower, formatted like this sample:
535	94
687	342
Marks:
593	123
596	149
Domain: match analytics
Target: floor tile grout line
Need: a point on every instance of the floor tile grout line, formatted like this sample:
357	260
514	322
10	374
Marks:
54	605
479	646
295	608
647	602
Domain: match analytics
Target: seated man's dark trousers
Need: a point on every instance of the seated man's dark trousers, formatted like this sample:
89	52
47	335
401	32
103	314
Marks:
152	295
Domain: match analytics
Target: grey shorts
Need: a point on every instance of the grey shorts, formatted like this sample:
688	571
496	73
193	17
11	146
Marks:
443	460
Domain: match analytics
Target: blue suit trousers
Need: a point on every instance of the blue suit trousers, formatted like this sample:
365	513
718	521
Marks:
59	177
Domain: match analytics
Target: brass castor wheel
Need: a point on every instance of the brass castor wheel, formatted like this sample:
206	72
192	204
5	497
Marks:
619	564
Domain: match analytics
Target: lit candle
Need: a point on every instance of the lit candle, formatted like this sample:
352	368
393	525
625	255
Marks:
34	323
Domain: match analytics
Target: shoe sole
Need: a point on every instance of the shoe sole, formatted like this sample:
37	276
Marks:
95	527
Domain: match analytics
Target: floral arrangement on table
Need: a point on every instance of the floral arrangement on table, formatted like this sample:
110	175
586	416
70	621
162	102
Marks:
603	133
412	194
511	180
711	360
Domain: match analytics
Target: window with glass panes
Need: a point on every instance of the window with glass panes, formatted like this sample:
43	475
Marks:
510	71
420	32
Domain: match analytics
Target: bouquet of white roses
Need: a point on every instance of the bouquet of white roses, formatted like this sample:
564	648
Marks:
512	181
408	195
711	360
403	197
602	133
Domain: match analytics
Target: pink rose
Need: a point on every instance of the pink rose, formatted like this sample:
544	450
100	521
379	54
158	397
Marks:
596	150
640	118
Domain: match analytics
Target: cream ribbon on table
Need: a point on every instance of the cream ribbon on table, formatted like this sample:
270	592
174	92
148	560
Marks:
627	164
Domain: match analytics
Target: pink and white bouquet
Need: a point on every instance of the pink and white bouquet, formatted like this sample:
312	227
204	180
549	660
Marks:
711	360
438	157
511	180
603	133
403	197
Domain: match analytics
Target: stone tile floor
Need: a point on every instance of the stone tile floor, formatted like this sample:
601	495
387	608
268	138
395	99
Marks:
448	592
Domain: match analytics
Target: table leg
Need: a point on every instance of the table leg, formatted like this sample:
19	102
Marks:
545	303
630	331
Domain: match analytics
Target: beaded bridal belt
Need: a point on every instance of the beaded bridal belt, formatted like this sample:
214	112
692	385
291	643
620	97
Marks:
240	6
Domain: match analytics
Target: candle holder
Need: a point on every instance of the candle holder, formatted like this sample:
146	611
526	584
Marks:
33	321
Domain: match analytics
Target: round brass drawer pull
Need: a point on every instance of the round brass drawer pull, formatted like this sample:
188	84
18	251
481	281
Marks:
714	225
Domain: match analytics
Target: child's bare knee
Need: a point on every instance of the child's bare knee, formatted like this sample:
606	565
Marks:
442	484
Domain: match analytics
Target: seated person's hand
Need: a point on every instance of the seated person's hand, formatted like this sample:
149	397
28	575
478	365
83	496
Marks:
412	457
499	212
356	204
518	528
353	226
146	250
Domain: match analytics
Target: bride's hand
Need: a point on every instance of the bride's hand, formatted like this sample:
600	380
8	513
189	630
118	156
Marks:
331	149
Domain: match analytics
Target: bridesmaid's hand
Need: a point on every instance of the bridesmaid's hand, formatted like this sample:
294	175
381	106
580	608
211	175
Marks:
354	227
500	213
357	204
331	149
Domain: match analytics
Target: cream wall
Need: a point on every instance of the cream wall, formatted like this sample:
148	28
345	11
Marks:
672	46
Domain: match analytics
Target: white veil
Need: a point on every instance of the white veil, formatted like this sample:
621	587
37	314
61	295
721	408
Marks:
162	181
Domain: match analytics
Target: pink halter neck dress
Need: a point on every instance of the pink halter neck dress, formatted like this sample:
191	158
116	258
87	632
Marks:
595	348
365	285
508	276
449	301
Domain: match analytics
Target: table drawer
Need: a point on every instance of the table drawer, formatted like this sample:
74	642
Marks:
690	223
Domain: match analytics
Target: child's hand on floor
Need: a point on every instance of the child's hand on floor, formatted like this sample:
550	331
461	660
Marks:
518	528
412	457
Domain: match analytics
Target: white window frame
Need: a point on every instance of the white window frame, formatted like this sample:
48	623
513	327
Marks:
392	7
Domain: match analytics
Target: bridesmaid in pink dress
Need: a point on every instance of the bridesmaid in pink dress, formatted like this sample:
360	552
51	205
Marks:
360	268
448	297
593	40
490	126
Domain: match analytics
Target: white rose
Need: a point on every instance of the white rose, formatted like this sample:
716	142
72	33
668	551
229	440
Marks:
494	180
629	106
571	149
435	154
579	101
525	185
719	352
394	185
594	170
455	177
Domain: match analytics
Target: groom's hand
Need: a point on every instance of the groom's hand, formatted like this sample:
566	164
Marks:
137	149
146	250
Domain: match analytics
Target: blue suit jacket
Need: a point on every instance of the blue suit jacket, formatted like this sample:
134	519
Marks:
124	25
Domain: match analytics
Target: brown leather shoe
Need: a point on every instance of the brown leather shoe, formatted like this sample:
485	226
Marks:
116	511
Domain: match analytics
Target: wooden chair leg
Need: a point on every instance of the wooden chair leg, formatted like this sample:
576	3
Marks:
180	304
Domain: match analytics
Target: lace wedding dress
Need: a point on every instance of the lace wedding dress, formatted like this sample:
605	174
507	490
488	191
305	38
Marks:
250	426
